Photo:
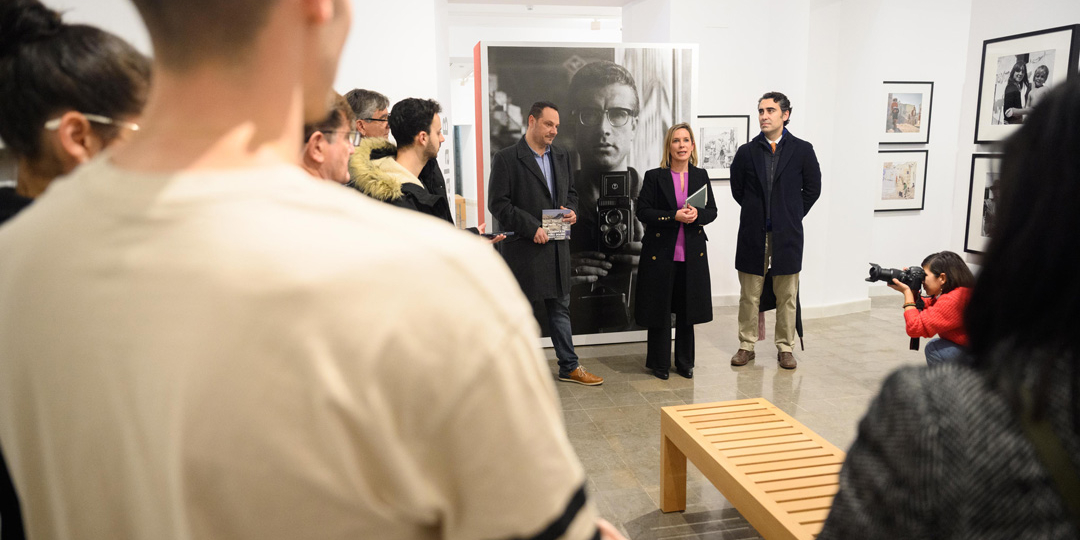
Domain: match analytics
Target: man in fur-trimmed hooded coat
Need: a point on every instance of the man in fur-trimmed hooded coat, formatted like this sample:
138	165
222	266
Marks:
378	175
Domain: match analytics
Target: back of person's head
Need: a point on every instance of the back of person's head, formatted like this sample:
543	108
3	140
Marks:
48	68
186	33
1024	310
957	273
410	117
365	103
782	101
339	117
599	75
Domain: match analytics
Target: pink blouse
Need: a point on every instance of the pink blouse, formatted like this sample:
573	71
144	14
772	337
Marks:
681	180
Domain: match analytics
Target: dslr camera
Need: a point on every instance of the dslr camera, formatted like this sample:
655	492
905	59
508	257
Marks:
614	212
912	277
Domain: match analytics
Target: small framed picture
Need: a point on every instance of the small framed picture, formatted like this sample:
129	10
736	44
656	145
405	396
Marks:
907	112
718	139
1017	71
903	180
982	201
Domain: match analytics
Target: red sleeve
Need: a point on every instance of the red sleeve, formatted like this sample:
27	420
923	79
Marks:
944	315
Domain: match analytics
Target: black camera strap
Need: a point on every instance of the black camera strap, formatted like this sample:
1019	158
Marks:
1052	454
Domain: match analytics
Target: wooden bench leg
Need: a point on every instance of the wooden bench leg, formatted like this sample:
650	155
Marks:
672	477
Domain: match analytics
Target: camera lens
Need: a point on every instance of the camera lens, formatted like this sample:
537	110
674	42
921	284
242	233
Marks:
613	238
612	218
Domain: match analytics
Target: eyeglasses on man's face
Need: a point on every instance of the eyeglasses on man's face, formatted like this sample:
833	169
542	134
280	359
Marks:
54	124
617	116
387	119
354	137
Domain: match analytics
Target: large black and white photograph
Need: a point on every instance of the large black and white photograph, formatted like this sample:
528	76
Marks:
718	139
982	201
903	180
1017	71
615	103
907	108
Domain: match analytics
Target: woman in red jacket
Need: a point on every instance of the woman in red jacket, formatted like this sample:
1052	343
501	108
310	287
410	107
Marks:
948	287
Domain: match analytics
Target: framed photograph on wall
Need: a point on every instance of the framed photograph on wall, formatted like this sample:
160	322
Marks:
907	112
982	201
718	137
1017	71
903	180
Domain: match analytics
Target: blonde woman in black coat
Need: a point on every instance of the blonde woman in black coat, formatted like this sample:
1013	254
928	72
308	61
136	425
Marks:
673	275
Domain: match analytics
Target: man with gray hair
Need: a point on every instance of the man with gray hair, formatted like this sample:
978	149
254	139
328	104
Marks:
372	112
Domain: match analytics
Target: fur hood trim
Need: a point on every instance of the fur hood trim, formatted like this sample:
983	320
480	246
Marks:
374	171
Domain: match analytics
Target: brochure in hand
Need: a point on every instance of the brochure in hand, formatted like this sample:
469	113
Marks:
552	222
700	198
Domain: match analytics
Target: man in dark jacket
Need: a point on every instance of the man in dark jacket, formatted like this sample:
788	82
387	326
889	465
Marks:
775	178
526	179
392	174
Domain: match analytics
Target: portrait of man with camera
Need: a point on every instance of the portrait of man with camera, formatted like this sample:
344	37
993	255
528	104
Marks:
606	241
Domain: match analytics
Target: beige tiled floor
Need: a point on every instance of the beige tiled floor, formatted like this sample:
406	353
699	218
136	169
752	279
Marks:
616	427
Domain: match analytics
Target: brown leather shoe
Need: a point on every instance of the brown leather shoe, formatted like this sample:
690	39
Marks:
742	357
786	359
581	376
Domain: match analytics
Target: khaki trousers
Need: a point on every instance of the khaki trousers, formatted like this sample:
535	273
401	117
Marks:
785	287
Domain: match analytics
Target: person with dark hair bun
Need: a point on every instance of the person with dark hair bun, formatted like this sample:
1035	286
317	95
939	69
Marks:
989	449
948	286
67	91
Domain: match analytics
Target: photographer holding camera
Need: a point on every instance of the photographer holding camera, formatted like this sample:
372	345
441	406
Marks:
948	285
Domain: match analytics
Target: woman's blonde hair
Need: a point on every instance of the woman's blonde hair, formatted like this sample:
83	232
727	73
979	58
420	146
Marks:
665	154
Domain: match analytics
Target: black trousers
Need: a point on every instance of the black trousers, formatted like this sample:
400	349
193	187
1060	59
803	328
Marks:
659	347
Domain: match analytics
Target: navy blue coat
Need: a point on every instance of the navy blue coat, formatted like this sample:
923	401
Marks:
797	187
517	196
656	272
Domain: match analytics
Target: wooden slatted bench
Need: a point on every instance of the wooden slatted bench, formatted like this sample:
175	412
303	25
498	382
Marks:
778	474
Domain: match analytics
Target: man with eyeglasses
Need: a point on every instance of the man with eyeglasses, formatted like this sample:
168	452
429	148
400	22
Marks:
392	174
370	109
329	143
605	246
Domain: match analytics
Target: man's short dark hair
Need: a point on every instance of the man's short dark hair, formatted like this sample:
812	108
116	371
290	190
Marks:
365	103
189	31
537	109
781	100
601	74
410	117
340	116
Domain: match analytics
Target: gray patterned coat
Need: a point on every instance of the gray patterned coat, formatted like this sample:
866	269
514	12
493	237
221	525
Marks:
940	454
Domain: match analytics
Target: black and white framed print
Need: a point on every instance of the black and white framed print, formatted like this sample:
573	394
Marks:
907	112
982	201
1017	71
718	138
903	180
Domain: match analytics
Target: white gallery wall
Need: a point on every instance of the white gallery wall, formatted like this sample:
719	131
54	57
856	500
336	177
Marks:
830	57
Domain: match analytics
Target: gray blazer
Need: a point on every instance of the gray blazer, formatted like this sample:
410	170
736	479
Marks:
517	194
